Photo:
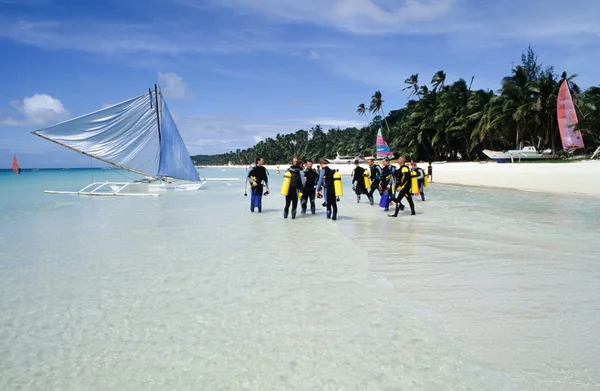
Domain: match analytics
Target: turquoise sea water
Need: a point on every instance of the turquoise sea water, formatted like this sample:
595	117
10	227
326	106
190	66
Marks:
482	290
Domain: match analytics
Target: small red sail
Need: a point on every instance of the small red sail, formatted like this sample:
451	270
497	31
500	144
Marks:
567	119
15	165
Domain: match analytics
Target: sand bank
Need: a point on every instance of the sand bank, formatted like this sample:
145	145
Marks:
581	177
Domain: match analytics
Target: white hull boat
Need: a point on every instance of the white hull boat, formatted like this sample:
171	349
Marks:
345	159
527	153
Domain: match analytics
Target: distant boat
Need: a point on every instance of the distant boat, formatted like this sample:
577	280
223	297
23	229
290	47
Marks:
526	153
382	149
570	137
138	135
15	165
567	120
345	159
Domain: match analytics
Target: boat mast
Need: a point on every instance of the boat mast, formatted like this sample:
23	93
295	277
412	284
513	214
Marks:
158	111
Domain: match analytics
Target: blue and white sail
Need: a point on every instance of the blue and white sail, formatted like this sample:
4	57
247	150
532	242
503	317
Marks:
133	135
175	160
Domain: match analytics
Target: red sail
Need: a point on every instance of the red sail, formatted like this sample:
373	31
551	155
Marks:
15	165
567	119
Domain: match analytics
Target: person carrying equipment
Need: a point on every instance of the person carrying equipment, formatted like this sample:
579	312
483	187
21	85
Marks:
256	177
310	182
293	183
327	182
420	179
359	181
387	184
375	177
404	179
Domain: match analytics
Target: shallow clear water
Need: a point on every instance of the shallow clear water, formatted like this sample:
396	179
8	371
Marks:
482	290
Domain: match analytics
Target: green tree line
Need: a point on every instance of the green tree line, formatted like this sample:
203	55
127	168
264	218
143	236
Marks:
445	121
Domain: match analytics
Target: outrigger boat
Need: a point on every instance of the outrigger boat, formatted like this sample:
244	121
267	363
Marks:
138	135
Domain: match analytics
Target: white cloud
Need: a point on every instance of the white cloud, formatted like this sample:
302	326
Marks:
172	85
313	55
355	16
37	110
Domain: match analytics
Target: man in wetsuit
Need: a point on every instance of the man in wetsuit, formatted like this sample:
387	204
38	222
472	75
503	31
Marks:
358	181
310	182
375	176
296	186
256	177
403	188
420	179
387	181
326	181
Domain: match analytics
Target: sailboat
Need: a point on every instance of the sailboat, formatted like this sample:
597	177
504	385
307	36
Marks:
382	149
15	165
570	137
567	120
138	135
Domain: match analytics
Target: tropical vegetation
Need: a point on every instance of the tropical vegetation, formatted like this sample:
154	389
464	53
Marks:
446	121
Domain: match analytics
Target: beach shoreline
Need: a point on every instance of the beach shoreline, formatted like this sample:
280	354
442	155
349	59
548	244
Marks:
558	178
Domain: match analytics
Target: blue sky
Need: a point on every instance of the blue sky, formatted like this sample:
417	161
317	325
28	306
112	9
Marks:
237	71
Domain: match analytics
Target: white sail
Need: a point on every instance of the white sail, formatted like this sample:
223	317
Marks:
125	135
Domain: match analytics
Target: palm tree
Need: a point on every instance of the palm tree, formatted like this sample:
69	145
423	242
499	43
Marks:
413	82
362	110
437	81
377	106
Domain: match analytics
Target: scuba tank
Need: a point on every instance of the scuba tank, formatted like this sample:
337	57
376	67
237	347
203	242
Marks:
337	184
414	183
425	179
287	180
367	179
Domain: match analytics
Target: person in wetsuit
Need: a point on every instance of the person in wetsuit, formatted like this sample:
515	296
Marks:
326	182
358	181
310	182
387	181
403	188
420	179
296	186
258	175
375	176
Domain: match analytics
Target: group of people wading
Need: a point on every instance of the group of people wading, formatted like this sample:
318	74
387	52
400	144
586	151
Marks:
304	184
393	184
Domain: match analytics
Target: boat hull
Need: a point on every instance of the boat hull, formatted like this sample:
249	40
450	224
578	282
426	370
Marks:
151	187
517	155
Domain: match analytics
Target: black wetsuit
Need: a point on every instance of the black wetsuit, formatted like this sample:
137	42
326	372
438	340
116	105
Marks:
292	195
375	174
259	175
326	181
387	178
311	177
358	180
403	180
421	182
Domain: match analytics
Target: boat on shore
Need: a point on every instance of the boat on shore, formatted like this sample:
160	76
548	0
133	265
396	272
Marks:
345	159
526	153
570	136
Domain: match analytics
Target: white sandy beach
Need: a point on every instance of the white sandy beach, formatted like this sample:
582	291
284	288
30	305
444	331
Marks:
581	177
